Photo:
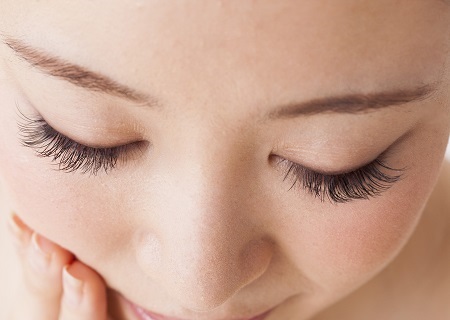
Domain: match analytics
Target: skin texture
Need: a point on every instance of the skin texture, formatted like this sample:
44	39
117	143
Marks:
201	225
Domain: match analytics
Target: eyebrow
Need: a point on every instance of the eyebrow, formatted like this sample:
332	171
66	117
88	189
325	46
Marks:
356	103
75	74
344	104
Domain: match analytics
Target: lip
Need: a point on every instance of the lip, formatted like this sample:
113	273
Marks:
149	315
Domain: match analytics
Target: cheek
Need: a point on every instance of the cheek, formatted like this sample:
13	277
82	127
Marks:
348	245
75	214
69	209
367	239
47	202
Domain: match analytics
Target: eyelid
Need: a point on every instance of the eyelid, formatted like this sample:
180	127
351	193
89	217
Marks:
95	138
388	150
68	154
381	157
367	181
38	119
84	144
335	173
325	172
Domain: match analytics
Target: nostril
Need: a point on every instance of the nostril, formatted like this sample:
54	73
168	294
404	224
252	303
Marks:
256	259
210	281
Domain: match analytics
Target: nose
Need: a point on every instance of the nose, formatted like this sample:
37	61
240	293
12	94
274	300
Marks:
210	265
210	238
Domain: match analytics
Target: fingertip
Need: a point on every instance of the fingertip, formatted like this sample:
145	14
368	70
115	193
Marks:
94	283
19	230
43	244
84	291
73	288
57	256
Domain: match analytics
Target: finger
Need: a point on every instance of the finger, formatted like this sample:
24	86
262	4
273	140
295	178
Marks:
21	233
39	294
84	295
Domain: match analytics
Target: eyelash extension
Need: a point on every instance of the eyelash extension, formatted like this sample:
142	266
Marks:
69	155
363	183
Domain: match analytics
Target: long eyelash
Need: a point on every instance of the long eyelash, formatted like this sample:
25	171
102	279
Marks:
69	155
368	181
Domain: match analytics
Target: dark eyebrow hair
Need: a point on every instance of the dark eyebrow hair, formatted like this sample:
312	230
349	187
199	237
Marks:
356	103
350	103
75	74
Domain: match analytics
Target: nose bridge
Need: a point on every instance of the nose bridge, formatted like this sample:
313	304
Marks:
215	252
211	246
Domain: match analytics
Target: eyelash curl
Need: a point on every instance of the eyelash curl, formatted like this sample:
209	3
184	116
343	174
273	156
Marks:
363	183
69	155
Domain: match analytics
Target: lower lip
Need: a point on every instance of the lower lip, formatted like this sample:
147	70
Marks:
147	315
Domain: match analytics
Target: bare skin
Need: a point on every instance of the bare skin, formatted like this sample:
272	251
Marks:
416	285
196	220
398	294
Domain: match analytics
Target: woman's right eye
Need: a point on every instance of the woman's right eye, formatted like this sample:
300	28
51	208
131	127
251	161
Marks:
68	155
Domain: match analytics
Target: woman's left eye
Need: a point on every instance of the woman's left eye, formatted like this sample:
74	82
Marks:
69	155
363	183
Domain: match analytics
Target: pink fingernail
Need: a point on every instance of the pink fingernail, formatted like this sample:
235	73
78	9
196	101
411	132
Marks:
15	226
44	245
73	288
40	259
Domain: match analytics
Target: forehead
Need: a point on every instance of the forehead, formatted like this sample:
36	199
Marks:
266	47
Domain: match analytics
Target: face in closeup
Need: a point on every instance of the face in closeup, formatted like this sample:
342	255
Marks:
216	159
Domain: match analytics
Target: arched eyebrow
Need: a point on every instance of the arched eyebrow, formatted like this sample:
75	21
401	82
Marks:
345	104
76	74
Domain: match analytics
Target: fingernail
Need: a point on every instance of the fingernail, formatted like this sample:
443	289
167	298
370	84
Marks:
40	254
15	226
73	288
45	246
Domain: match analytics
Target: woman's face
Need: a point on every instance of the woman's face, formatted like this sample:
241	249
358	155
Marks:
213	98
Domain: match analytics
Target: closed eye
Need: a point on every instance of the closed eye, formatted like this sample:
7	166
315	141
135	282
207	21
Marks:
67	154
368	181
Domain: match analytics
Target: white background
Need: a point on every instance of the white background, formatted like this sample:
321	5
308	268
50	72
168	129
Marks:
448	152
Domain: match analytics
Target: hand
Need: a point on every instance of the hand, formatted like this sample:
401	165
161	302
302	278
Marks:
55	285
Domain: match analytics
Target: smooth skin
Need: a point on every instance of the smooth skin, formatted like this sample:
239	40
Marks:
200	224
